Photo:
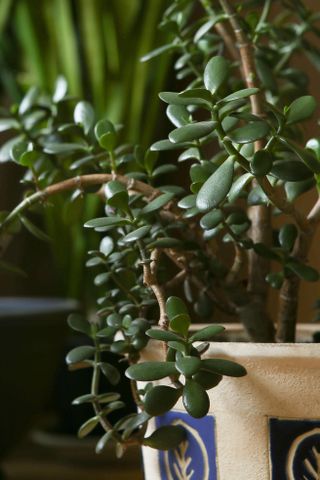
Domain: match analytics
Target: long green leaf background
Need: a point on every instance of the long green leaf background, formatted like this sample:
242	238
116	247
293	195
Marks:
96	45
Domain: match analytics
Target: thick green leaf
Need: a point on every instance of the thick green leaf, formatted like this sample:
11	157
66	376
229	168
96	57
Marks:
295	189
206	333
101	278
287	236
103	441
88	426
116	194
314	145
63	148
157	203
79	354
163	145
216	188
300	109
18	149
175	306
106	246
137	234
163	169
178	115
174	98
84	399
187	202
195	399
303	271
290	170
83	115
199	93
166	438
179	345
102	127
162	335
149	371
207	380
8	124
180	324
238	186
108	141
78	323
190	154
244	93
106	332
160	399
191	132
249	133
211	219
223	367
29	158
188	365
216	73
29	100
110	372
304	154
261	163
5	150
265	252
206	27
133	422
60	89
107	222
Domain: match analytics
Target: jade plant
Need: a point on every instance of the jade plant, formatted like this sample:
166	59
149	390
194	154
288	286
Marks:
169	250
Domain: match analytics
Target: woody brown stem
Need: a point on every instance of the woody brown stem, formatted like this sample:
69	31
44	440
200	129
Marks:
259	215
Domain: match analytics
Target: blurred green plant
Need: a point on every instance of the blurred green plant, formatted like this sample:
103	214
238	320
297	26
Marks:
96	46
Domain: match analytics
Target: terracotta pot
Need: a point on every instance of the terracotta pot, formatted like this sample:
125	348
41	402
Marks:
262	426
32	335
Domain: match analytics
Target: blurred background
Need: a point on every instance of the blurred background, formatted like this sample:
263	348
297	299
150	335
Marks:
96	45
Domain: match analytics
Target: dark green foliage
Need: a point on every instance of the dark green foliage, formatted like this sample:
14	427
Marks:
156	235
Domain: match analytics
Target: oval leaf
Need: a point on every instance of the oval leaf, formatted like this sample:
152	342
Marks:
195	399
216	73
206	333
84	116
137	234
165	438
175	306
249	133
160	399
300	109
191	132
223	367
157	203
287	236
188	365
216	188
148	371
79	354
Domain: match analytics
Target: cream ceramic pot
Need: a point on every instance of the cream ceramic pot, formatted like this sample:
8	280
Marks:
262	426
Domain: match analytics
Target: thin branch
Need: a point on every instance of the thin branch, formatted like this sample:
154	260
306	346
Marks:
79	182
150	280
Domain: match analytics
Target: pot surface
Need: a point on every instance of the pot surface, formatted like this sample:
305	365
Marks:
265	425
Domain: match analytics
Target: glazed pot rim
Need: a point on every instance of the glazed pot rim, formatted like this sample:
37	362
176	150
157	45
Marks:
266	349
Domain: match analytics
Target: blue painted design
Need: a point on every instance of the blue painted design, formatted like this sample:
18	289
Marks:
294	449
195	458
